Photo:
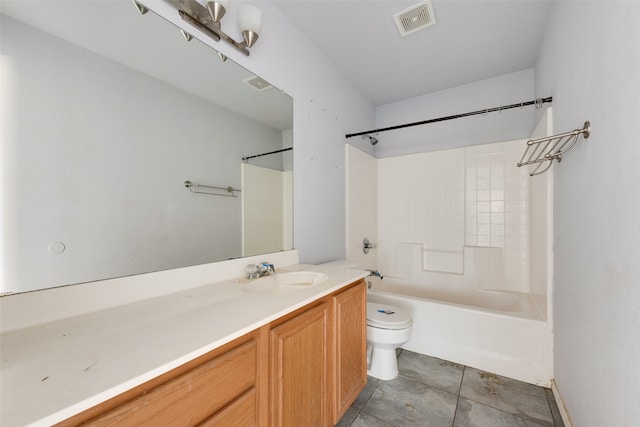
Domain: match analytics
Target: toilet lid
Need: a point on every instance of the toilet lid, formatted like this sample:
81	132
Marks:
387	316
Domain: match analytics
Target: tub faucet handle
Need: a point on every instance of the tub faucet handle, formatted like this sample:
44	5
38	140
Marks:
367	245
375	273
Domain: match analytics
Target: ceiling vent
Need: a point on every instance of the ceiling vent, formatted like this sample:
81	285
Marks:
415	18
258	84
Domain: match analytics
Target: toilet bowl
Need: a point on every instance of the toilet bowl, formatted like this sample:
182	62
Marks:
388	328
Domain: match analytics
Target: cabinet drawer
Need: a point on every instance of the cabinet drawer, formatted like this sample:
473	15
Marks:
193	396
240	413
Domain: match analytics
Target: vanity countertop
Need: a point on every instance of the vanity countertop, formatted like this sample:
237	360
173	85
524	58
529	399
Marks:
53	371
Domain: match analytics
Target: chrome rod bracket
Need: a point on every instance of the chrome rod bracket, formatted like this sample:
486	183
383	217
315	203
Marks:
586	129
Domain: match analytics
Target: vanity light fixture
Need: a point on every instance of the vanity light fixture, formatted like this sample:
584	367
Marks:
206	15
250	22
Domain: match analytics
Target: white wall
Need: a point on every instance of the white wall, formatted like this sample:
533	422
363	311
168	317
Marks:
103	171
589	62
494	127
326	107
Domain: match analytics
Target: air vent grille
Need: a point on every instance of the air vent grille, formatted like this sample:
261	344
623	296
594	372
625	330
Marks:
415	18
257	83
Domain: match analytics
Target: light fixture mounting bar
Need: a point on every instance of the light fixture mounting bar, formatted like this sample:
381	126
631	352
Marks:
195	14
191	20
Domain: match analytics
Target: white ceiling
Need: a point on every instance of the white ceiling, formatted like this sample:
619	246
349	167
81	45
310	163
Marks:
472	40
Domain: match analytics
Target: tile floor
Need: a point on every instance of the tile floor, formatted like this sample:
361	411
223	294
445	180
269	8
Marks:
433	392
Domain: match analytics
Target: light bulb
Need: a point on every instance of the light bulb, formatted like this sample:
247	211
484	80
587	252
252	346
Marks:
250	22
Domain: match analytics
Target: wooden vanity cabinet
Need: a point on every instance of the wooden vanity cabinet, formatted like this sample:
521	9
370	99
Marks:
350	347
304	369
318	360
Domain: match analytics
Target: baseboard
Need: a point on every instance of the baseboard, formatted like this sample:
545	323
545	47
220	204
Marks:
566	419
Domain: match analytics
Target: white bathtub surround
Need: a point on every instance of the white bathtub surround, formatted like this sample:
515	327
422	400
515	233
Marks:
55	370
464	243
464	212
497	331
456	225
516	304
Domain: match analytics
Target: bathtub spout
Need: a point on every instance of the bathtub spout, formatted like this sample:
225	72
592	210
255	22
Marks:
375	273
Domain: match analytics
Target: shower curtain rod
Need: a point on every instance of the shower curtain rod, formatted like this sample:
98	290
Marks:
244	159
538	102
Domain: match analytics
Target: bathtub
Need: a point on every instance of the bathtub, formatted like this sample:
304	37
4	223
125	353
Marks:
501	332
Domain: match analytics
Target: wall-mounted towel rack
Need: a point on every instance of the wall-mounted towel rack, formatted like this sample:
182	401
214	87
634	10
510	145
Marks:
551	148
211	190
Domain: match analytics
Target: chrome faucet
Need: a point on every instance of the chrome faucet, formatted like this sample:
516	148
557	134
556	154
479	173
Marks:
375	273
253	271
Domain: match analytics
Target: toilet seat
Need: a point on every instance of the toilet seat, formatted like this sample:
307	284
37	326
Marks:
387	317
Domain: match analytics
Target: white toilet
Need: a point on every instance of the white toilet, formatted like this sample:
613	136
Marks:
388	328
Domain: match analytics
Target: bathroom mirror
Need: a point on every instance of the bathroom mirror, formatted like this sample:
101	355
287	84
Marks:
105	113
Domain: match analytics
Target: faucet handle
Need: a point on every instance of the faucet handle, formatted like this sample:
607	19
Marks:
269	266
251	271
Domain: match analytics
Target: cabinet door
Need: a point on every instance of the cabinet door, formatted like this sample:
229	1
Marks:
350	344
299	369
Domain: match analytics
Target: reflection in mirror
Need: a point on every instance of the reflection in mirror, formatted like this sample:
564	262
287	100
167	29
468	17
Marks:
105	113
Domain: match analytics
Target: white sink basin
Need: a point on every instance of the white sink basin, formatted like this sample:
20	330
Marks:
282	283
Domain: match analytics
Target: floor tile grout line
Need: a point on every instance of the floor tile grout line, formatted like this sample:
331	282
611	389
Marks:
365	404
455	412
464	370
371	395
